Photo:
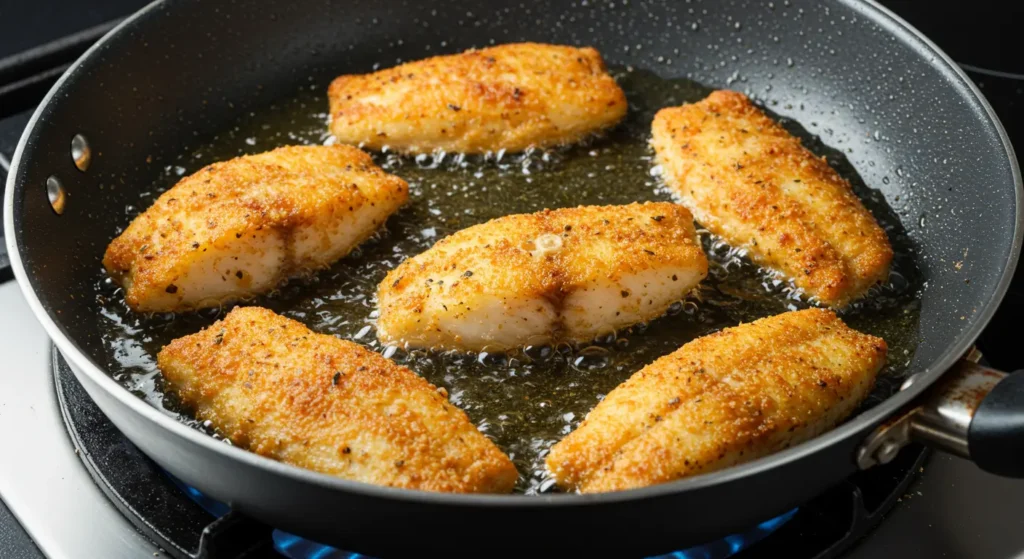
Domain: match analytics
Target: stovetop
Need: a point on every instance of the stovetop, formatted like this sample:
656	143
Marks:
948	508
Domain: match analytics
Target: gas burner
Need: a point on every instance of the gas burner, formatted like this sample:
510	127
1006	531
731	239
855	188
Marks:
297	547
190	525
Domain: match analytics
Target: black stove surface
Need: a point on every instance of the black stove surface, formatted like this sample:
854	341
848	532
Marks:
950	509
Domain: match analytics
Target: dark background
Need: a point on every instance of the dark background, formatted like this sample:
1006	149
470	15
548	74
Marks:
28	23
989	37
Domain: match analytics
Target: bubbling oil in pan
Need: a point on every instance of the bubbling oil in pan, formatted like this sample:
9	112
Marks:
528	400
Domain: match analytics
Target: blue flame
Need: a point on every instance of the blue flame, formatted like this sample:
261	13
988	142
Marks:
731	545
295	547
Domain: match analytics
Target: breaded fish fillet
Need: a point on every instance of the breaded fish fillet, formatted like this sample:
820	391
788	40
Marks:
720	400
556	275
750	181
508	97
236	229
314	401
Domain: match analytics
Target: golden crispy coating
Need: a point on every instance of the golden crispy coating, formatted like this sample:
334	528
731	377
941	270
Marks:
556	275
278	389
236	229
720	400
508	97
748	180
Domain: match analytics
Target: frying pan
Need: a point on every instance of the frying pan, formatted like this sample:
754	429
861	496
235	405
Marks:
909	121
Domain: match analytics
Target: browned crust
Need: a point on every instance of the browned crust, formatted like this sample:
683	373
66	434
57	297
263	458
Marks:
507	97
720	400
496	258
283	189
748	180
274	387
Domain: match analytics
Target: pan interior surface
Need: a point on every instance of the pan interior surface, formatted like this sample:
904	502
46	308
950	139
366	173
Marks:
525	400
912	129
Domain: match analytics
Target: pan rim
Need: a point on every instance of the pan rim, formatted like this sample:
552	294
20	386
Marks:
83	365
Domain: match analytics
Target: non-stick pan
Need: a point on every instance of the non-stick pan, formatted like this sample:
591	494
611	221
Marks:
909	121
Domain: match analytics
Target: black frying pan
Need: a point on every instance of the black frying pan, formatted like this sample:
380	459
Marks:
179	69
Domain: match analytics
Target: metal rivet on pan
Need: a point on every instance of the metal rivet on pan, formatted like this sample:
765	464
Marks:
909	381
80	152
887	452
55	192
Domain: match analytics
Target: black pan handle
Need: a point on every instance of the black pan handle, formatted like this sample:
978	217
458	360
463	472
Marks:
974	412
996	435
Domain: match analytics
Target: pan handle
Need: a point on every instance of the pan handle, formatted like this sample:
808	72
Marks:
996	434
974	412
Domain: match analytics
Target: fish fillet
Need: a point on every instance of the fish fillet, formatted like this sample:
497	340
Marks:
509	97
720	400
314	401
748	180
238	228
556	275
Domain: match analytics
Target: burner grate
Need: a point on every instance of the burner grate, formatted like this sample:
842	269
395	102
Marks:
189	525
297	547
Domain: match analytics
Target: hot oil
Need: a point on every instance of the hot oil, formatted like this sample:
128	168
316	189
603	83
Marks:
529	400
